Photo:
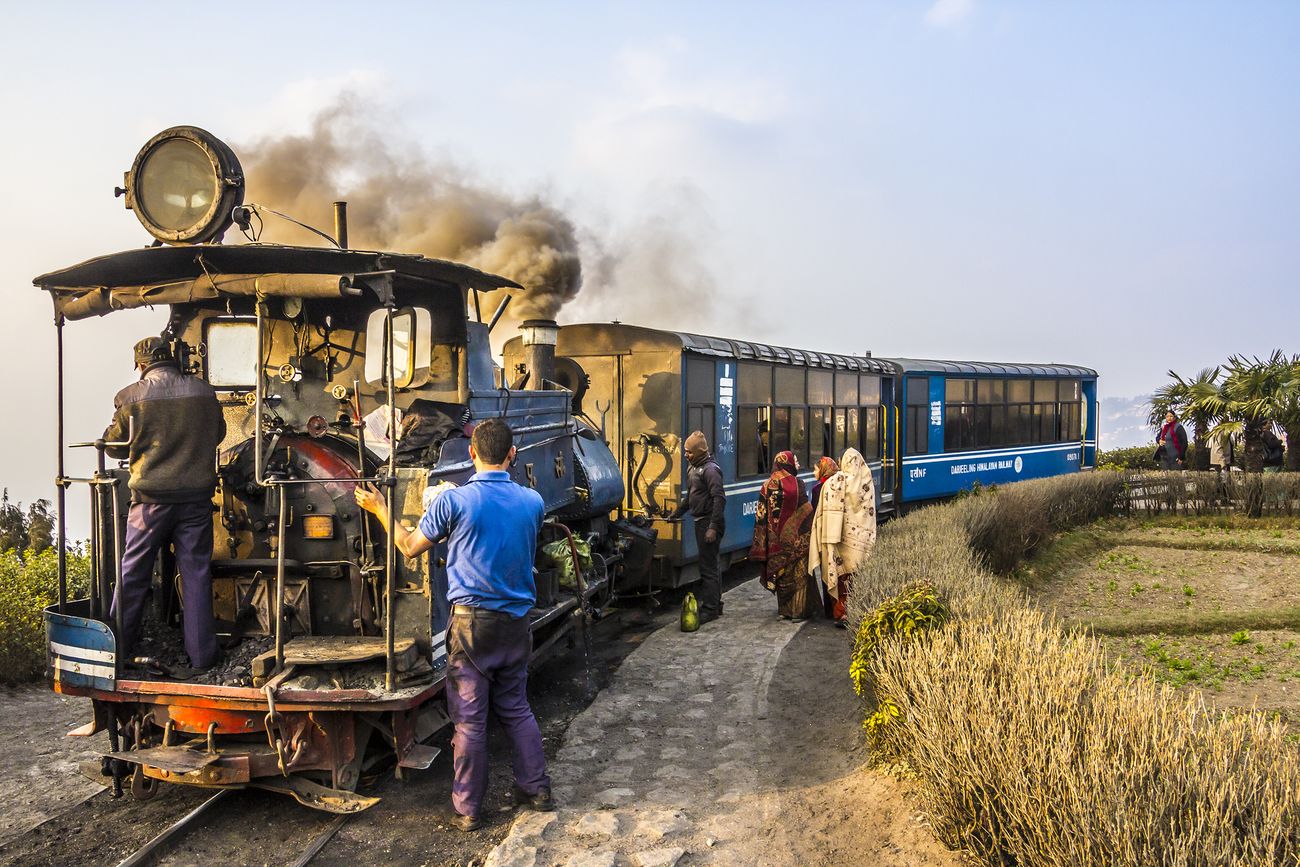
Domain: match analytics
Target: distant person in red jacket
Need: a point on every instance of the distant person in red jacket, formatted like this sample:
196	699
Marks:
1171	445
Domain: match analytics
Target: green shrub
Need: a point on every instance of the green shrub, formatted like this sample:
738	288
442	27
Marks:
28	586
1212	493
917	607
1005	528
1133	458
1138	458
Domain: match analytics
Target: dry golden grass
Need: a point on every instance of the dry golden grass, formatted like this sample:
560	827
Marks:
1027	744
1029	747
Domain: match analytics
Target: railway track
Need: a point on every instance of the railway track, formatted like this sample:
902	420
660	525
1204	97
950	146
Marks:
156	850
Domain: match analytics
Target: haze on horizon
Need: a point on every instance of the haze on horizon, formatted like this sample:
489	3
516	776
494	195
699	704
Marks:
1103	184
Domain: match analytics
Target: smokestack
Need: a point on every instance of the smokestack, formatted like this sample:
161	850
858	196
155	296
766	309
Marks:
341	224
539	350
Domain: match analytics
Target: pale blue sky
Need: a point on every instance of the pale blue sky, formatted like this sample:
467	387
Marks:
1110	184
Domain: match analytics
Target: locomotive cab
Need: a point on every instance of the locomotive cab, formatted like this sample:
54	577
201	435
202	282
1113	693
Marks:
333	367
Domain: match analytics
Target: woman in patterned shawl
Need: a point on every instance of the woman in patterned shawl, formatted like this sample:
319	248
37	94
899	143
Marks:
781	526
844	528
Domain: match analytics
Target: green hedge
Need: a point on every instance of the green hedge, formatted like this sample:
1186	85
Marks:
27	586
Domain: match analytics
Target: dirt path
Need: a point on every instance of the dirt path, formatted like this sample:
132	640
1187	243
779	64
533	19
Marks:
733	745
34	752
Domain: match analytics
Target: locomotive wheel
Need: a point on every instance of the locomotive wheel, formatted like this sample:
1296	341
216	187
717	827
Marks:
142	788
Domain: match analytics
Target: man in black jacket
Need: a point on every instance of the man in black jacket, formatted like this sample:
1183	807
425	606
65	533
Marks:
174	426
707	502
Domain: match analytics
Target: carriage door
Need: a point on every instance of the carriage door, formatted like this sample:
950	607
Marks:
701	400
888	440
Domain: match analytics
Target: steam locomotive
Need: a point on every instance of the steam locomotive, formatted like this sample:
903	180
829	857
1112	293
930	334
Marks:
337	367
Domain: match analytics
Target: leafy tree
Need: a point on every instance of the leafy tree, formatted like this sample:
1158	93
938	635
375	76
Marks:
1196	400
13	526
1287	409
40	527
1249	398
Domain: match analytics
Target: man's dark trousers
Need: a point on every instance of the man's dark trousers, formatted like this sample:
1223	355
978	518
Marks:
188	526
487	668
710	579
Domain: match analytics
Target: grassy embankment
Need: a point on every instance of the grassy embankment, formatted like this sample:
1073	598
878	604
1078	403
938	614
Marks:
1029	742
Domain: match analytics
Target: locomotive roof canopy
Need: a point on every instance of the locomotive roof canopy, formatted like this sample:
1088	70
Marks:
991	368
178	275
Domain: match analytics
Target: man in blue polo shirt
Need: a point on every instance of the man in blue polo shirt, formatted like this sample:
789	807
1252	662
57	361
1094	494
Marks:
491	527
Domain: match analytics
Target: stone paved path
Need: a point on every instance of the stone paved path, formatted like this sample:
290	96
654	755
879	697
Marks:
684	759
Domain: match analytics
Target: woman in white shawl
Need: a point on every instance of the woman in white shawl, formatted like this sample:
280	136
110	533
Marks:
844	528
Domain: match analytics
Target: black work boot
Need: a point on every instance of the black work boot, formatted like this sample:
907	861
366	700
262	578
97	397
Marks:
542	802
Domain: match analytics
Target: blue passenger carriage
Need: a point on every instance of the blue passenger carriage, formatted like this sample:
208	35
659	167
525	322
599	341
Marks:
966	422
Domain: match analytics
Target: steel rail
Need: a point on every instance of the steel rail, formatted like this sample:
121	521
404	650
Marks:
321	839
152	850
143	854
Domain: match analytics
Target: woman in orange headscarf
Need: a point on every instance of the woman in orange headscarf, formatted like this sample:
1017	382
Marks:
781	526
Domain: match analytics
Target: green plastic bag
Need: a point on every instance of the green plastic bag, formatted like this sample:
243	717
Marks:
690	613
559	556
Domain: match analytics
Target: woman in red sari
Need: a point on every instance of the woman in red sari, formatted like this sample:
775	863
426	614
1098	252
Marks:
781	527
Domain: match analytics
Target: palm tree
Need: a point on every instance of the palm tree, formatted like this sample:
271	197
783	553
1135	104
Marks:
1196	400
1286	411
1248	400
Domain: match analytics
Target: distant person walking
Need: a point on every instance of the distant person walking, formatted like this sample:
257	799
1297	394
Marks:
491	526
706	501
782	523
844	529
1274	452
1171	445
174	425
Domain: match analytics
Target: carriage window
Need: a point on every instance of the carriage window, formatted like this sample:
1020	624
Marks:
837	435
231	353
789	386
959	391
852	432
754	384
992	391
699	417
869	390
846	389
1069	390
918	415
799	434
1018	391
819	433
780	439
820	387
871	433
958	427
412	333
918	391
699	382
752	441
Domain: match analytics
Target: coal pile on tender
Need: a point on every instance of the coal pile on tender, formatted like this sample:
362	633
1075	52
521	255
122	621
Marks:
160	655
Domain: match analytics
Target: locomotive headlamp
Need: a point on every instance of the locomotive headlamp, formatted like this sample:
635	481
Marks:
183	185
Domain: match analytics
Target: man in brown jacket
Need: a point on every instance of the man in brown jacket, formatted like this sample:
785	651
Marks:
174	426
